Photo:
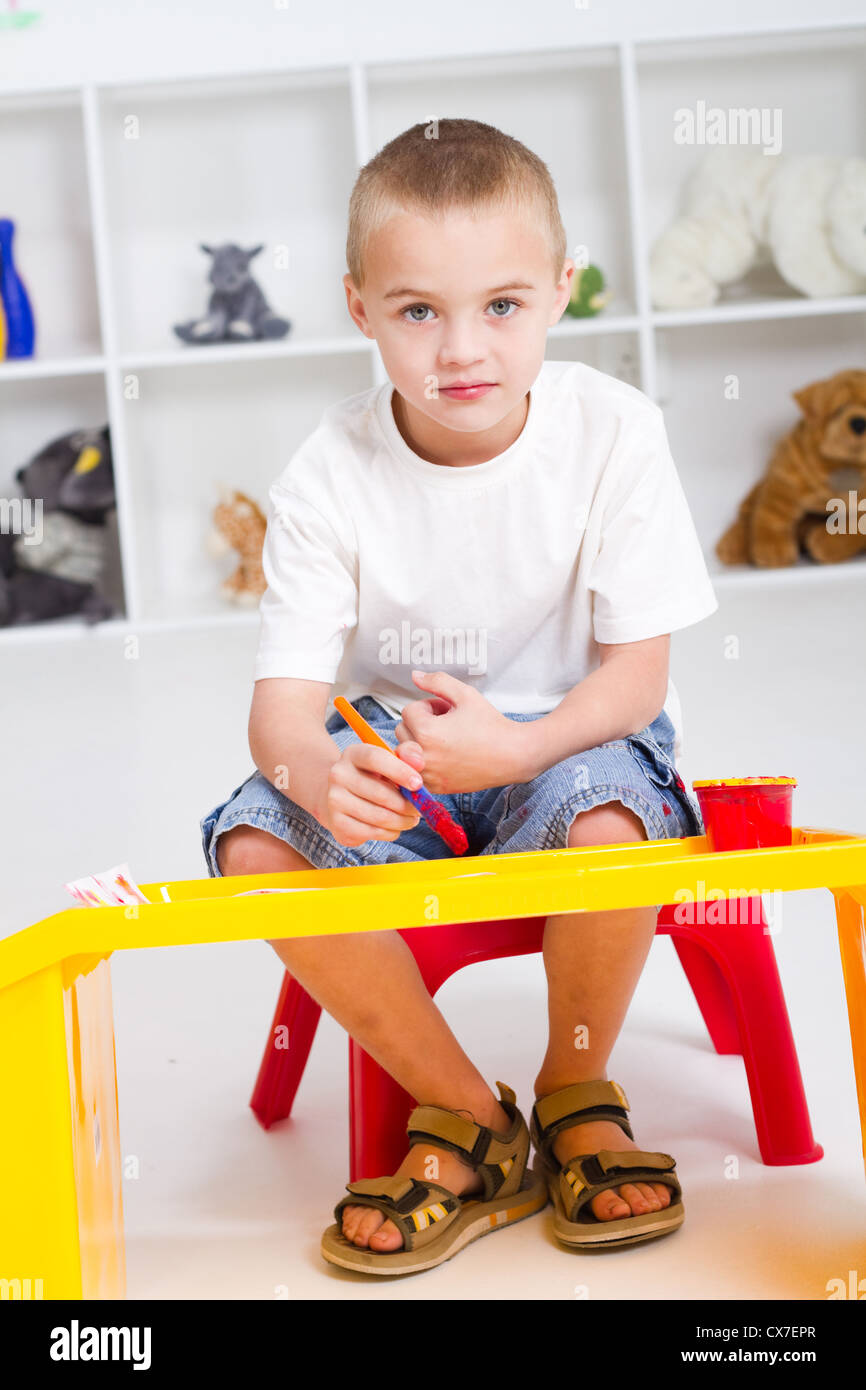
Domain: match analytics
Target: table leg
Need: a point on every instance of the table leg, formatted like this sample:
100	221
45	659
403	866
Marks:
61	1220
851	923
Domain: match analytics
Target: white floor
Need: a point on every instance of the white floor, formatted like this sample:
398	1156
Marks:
110	760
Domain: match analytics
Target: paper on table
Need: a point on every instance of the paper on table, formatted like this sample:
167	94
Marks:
110	888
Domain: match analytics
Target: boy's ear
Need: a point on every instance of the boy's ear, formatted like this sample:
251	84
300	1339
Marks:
564	286
356	311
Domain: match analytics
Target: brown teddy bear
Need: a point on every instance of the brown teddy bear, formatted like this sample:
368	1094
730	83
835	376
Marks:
823	458
240	525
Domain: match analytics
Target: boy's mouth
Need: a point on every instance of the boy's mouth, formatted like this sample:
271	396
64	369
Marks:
467	390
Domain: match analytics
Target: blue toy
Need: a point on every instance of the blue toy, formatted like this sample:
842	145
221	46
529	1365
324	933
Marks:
20	335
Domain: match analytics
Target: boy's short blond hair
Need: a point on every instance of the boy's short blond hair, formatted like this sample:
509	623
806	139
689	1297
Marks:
448	164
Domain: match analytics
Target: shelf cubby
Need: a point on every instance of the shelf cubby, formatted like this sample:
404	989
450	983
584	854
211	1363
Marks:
807	91
33	412
721	442
44	183
190	433
244	161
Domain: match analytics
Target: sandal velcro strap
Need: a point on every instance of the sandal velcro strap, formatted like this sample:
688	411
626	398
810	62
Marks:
586	1175
620	1160
451	1130
577	1104
417	1209
499	1159
402	1193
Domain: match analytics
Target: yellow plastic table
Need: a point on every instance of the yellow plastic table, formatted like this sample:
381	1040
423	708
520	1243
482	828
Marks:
61	1215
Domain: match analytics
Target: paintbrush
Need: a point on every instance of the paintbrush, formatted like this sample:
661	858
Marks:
432	810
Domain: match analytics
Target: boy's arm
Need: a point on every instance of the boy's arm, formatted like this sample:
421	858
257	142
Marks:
624	694
288	740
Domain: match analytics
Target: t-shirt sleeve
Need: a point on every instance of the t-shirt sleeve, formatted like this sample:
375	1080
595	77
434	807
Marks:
311	601
648	576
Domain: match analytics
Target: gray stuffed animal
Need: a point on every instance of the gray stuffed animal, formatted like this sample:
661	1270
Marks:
62	573
237	310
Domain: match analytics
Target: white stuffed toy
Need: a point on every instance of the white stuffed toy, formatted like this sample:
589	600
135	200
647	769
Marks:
741	208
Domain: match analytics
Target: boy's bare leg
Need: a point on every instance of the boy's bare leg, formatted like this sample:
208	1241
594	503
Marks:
593	961
369	982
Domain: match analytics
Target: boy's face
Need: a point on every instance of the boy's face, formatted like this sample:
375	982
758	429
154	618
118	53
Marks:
461	300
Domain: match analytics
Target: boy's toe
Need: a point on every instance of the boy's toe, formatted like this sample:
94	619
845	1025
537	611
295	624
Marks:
386	1238
351	1219
647	1191
632	1199
369	1224
609	1206
641	1198
359	1223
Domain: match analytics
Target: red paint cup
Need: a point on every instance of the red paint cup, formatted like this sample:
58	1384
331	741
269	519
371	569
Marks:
747	812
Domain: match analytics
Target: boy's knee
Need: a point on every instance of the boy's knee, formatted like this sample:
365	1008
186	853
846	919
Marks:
247	850
610	824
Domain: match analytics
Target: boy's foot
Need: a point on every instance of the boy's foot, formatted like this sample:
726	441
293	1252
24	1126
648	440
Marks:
365	1226
628	1199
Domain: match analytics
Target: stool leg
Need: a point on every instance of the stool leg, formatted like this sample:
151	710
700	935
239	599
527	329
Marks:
851	923
711	993
378	1106
378	1111
282	1066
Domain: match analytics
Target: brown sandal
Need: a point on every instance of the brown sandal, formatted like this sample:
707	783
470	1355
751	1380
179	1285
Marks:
434	1222
573	1184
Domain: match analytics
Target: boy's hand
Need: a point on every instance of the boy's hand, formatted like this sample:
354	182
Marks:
456	739
362	803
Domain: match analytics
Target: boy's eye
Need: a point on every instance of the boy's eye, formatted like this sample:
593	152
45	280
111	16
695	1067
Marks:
494	304
411	309
504	302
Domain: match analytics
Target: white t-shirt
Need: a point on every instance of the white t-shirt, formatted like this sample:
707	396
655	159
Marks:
505	573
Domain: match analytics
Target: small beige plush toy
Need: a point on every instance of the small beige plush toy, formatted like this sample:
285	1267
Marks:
740	208
813	493
240	525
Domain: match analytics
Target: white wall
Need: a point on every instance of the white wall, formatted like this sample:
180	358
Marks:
111	39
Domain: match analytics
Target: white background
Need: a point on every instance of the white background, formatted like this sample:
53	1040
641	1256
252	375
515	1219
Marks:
79	39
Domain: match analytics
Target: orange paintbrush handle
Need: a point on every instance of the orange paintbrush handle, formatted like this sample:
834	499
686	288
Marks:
432	810
359	724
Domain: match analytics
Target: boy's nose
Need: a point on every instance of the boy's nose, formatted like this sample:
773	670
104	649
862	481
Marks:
460	361
460	349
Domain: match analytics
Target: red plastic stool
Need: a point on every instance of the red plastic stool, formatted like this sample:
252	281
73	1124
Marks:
731	969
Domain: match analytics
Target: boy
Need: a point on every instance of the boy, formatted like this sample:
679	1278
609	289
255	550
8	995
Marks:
530	511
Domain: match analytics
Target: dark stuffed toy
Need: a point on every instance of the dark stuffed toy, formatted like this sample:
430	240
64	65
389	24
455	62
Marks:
237	311
54	572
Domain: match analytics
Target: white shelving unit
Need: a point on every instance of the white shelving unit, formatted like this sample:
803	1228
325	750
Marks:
113	187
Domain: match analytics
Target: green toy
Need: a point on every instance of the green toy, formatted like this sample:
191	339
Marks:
13	18
587	298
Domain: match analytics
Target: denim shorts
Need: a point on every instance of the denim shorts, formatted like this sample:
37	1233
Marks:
638	770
